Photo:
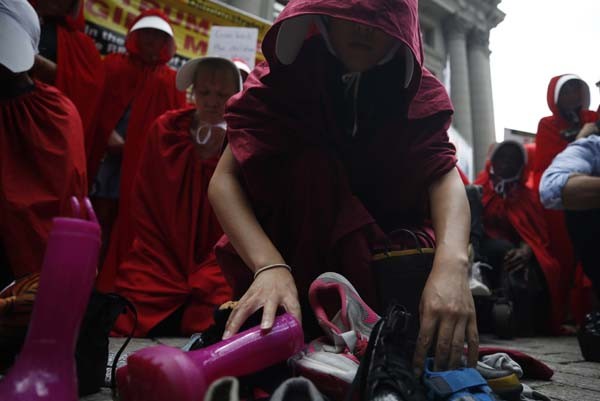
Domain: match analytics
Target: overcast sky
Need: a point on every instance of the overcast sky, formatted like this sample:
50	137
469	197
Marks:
537	40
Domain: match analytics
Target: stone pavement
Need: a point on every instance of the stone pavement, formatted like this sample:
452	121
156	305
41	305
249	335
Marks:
574	379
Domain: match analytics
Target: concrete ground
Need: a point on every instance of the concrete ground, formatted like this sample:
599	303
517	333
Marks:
574	379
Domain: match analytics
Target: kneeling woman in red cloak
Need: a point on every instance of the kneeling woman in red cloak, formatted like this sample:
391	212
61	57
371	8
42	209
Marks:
517	242
340	137
170	273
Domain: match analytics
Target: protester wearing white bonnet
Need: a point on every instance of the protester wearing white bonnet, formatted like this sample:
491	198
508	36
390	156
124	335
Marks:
211	90
19	35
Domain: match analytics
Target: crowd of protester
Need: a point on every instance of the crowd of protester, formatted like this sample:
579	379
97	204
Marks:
331	145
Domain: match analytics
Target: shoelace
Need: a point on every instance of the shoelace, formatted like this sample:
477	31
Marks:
393	371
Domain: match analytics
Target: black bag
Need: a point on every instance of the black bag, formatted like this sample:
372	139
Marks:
91	353
523	303
400	275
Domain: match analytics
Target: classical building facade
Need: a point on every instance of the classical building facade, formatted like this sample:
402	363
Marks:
456	44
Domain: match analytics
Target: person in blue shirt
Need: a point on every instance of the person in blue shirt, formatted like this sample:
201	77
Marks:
572	183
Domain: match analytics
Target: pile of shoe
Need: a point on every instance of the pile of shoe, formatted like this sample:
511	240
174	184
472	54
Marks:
362	356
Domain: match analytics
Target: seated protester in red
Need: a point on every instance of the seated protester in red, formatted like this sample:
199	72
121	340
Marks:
568	98
69	58
170	272
340	136
43	164
516	239
139	88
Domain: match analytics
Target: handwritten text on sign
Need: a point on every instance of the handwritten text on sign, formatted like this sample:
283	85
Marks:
233	42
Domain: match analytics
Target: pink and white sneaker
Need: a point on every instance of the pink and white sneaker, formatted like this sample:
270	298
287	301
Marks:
344	317
331	372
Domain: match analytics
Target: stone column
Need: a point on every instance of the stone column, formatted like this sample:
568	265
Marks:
261	8
482	106
456	37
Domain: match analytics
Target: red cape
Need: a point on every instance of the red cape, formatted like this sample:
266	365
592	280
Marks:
79	71
150	90
389	168
171	262
522	210
42	166
549	143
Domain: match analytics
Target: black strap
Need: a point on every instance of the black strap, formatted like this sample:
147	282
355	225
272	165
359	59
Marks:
414	234
113	372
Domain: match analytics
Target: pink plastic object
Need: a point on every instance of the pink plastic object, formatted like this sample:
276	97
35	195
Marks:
45	369
165	373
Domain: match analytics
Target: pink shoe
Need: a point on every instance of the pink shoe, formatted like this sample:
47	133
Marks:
332	372
346	319
164	373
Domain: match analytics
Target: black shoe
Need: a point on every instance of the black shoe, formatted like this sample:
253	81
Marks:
385	373
589	337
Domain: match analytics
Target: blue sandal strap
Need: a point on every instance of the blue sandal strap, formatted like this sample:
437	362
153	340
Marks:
460	384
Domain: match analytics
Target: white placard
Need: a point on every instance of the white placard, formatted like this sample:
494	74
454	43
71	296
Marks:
233	42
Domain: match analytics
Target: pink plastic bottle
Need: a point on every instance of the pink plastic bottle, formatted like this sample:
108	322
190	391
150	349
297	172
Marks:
165	373
45	368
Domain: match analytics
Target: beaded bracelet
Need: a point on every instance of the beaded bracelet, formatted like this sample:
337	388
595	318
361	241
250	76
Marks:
273	266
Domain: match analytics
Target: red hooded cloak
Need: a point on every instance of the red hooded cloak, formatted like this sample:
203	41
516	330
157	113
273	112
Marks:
521	211
79	69
549	143
171	261
42	164
315	190
150	91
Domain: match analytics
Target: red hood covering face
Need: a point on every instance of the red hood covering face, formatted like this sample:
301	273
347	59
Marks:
42	164
555	86
549	140
398	19
522	210
131	41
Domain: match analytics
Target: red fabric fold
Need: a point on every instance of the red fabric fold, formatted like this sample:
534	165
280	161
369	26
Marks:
150	90
42	164
533	368
80	74
171	262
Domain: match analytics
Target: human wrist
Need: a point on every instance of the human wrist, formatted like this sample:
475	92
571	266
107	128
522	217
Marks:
449	259
271	267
